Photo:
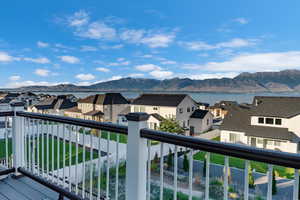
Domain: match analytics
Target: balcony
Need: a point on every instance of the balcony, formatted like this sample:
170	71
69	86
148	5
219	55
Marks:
56	157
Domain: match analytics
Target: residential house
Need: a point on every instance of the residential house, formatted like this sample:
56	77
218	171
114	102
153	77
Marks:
100	107
53	105
219	110
200	121
176	106
270	123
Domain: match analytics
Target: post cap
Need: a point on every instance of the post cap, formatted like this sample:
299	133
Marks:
137	116
17	104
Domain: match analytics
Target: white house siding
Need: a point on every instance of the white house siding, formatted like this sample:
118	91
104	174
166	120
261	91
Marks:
184	117
153	123
293	124
280	145
164	111
202	125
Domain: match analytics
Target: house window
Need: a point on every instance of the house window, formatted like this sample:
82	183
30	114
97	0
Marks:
188	109
207	122
155	108
261	120
180	110
269	121
234	137
142	109
278	121
260	141
193	108
270	142
277	143
136	109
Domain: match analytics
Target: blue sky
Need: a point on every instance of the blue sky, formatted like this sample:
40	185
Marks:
84	42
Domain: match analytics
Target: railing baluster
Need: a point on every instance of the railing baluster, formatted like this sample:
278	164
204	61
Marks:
70	156
99	165
207	175
43	148
26	142
270	177
149	170
175	172
107	165
246	178
58	153
117	167
34	143
64	154
76	161
83	164
52	153
30	144
48	150
296	185
161	171
6	143
226	173
91	166
191	174
38	145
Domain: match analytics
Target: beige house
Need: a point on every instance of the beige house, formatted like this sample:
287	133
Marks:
100	107
176	106
219	110
271	123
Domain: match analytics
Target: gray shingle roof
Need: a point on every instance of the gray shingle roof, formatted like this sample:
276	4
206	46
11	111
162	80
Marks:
199	114
105	99
284	107
157	116
238	119
159	99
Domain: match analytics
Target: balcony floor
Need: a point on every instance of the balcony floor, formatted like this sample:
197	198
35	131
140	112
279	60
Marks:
24	188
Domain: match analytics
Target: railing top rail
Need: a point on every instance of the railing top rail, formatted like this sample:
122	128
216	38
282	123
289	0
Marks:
6	113
77	122
235	150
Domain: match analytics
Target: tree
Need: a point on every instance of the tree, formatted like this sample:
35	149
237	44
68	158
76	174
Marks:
185	163
170	159
274	185
171	126
251	178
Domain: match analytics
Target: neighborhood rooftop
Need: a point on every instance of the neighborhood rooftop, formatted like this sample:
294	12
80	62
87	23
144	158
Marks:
105	99
159	99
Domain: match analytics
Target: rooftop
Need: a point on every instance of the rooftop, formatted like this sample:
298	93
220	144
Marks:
105	99
172	100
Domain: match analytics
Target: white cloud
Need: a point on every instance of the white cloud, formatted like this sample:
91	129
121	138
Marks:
241	20
102	69
149	38
88	48
5	57
85	77
234	43
147	67
116	46
168	62
15	78
146	56
160	74
136	75
41	60
158	40
42	44
17	84
79	18
42	72
70	59
97	30
253	62
211	75
124	63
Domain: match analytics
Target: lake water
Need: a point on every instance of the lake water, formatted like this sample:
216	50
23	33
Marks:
205	97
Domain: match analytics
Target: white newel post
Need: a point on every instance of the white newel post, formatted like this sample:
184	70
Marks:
136	164
17	136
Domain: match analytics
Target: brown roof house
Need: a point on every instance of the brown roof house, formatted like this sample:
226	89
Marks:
270	122
100	107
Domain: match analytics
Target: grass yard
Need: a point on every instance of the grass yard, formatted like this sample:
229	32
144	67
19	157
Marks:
240	163
58	144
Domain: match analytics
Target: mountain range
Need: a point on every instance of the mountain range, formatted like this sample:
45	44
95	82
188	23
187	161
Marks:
282	81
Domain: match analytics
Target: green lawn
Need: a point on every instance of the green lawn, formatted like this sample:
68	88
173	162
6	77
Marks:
240	163
56	143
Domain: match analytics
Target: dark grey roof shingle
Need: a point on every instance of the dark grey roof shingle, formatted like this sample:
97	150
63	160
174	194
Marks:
159	99
105	99
199	114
